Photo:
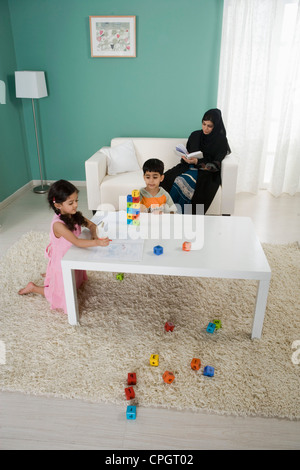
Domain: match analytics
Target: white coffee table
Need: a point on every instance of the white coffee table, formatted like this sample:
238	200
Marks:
231	249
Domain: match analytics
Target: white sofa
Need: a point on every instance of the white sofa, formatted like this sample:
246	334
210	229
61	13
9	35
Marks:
124	160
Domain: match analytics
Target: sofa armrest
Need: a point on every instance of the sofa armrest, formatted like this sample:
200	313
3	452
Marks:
95	170
229	171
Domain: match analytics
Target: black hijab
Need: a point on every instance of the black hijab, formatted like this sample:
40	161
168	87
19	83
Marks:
214	145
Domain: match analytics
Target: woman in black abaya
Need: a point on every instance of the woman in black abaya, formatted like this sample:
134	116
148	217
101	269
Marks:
196	181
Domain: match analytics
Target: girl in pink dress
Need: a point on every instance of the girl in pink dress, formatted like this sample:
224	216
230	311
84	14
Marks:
65	230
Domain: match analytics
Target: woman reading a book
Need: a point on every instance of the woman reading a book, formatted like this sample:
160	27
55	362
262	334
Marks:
196	180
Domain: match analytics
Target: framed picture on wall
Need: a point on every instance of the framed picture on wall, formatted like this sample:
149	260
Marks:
113	36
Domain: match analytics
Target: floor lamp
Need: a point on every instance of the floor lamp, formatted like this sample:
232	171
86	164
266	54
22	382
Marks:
33	85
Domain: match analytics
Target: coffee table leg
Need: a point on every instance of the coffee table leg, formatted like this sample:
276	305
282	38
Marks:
260	307
71	295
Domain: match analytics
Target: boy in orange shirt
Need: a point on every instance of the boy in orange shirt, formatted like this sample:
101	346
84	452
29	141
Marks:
153	198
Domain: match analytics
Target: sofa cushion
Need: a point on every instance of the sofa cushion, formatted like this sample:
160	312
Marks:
120	185
121	158
154	147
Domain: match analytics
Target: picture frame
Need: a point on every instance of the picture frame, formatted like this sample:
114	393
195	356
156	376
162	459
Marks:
113	36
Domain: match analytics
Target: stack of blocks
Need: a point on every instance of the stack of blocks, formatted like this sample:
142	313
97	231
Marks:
133	208
129	392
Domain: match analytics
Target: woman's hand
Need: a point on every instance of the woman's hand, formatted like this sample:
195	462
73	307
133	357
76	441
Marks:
190	161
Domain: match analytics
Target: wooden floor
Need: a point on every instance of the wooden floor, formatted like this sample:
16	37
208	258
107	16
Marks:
29	422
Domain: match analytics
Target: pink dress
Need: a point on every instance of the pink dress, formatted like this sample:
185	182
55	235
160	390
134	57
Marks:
54	285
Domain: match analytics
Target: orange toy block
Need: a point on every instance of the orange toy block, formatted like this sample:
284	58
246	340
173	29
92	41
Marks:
168	377
186	246
195	364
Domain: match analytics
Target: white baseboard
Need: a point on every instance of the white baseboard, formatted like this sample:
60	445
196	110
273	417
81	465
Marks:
31	184
16	194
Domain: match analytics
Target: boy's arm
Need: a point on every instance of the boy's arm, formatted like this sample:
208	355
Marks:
170	204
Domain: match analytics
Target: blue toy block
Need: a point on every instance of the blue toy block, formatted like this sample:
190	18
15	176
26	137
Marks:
129	198
158	250
211	328
209	371
131	412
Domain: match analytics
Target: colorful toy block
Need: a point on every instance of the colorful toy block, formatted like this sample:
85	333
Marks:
195	364
218	324
133	208
186	246
169	326
158	250
131	412
131	378
120	276
135	193
168	377
209	371
154	360
211	328
129	392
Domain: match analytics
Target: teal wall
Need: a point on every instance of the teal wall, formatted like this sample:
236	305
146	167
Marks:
164	91
14	164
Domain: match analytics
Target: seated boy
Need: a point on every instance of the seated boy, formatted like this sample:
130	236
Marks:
153	198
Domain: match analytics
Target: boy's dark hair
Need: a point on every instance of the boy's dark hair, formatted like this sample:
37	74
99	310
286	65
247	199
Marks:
59	193
155	165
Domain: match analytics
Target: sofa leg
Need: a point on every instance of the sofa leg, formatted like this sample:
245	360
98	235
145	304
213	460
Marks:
227	215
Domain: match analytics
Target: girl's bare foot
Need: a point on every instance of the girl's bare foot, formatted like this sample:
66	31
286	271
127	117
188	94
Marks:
28	289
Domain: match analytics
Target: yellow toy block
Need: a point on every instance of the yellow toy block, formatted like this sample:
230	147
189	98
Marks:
154	360
135	193
136	205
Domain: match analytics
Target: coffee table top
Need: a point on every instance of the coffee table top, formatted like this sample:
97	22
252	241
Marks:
231	249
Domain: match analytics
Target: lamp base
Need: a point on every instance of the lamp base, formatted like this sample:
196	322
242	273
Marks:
42	189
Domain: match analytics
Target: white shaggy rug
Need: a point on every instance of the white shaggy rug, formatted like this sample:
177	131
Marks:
122	324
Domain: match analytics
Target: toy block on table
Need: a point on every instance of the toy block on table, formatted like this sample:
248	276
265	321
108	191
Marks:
133	208
129	392
131	412
168	377
158	250
186	246
209	371
131	380
120	276
196	363
154	360
218	324
211	328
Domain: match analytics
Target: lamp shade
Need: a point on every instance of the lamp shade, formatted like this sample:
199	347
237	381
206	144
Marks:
30	84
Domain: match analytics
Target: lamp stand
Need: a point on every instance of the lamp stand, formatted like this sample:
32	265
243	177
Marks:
43	188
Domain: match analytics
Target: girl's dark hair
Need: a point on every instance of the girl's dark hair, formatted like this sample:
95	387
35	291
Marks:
155	165
59	193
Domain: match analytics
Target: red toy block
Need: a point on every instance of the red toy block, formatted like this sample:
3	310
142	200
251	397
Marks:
195	364
186	246
129	392
168	377
131	378
135	200
169	326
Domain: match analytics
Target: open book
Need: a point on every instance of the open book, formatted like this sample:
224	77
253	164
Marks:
181	150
